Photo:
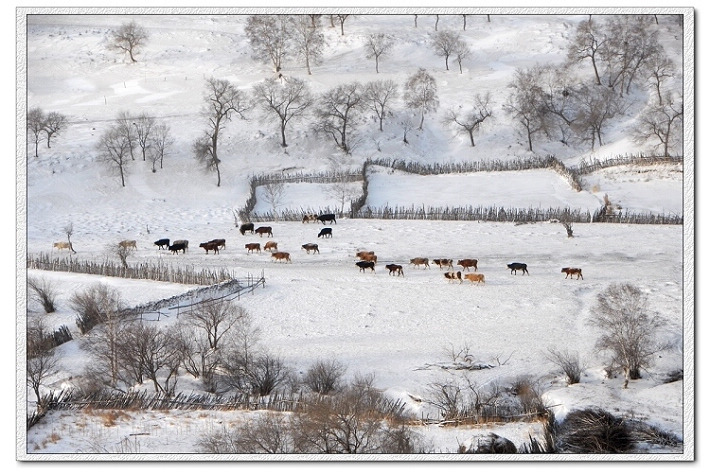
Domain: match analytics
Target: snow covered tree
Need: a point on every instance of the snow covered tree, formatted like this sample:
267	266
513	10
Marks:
378	96
471	120
269	38
628	330
420	93
54	124
444	44
114	151
337	111
376	45
526	105
308	40
662	123
35	125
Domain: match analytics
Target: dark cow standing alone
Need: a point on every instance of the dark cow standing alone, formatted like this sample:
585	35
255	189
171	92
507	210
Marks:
162	243
366	265
311	247
516	266
264	230
327	217
395	269
326	233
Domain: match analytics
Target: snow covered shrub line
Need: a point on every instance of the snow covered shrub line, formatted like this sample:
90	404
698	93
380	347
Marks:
151	271
587	167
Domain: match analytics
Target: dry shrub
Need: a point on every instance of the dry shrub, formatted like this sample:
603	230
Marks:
593	431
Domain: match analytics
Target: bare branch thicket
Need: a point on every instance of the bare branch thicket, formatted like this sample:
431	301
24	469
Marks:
215	319
283	102
420	94
596	107
144	126
377	45
160	141
39	368
628	332
378	95
128	38
470	121
45	293
568	362
325	377
222	101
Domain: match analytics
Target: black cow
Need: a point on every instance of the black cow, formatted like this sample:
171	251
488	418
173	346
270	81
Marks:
246	227
327	217
366	265
162	243
516	266
326	232
178	247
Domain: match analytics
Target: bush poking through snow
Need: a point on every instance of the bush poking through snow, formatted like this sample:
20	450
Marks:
593	431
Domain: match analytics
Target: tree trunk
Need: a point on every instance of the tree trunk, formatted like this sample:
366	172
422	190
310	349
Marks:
470	135
421	122
283	134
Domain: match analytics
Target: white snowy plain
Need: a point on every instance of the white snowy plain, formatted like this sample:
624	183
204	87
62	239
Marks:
320	305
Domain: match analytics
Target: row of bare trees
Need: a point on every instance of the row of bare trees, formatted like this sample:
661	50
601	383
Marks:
44	124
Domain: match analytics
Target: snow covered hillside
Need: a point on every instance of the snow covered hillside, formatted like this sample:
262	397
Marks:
400	329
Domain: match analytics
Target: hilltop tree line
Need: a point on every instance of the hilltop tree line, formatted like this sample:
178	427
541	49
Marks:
609	59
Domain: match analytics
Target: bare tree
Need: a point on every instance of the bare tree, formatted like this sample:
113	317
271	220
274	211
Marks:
325	377
126	127
378	95
663	123
659	69
114	151
151	352
461	51
308	39
274	194
144	129
420	94
407	126
160	140
129	38
39	368
596	106
338	111
628	331
376	45
568	362
222	101
526	104
36	120
68	230
54	124
341	19
269	38
471	120
445	43
283	102
215	319
586	44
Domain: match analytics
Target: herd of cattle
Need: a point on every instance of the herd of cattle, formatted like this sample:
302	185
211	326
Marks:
365	259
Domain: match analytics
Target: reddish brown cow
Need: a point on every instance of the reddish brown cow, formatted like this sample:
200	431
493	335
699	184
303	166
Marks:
210	246
253	246
572	271
271	245
418	261
281	256
468	263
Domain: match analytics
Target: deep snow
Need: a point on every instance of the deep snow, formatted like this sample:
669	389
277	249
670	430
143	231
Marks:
375	323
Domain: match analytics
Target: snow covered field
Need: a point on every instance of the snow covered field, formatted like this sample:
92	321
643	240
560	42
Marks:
321	305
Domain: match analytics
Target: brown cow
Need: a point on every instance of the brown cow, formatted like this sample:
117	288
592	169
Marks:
222	243
369	258
573	271
62	245
362	254
417	261
449	263
271	245
453	276
478	278
310	247
252	246
128	244
281	256
210	246
467	263
395	269
264	230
